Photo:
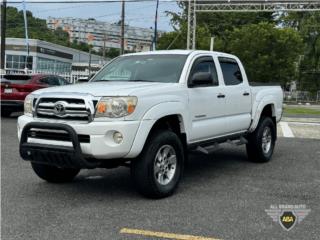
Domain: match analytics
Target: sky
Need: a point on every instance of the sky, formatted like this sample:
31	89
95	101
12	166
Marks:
140	14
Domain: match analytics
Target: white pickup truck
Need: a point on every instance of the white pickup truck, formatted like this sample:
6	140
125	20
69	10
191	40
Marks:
146	111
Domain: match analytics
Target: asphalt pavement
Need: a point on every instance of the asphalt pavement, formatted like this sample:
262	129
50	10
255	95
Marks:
222	196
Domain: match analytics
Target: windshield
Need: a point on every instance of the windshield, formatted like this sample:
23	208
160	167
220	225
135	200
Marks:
164	68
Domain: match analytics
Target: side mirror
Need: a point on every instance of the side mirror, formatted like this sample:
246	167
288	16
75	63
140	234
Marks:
201	78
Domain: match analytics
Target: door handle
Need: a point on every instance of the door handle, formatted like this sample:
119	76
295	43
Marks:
220	95
245	94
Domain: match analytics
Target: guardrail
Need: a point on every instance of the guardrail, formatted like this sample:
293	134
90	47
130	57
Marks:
301	97
71	77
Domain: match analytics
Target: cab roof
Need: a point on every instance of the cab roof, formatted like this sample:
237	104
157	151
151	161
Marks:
181	52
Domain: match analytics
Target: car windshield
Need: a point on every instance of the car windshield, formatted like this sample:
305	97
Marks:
164	68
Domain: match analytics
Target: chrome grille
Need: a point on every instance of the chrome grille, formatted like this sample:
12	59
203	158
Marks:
64	108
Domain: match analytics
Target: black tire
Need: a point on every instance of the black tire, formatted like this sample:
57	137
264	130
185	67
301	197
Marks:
54	174
5	113
143	170
256	151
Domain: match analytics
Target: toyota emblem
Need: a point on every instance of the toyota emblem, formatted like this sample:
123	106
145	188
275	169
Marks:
59	108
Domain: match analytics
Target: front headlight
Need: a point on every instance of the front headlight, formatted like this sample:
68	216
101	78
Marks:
115	107
28	104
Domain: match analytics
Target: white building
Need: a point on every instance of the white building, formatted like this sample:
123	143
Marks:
45	57
102	34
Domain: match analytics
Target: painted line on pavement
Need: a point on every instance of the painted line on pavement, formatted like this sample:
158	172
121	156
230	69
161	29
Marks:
286	130
305	123
163	234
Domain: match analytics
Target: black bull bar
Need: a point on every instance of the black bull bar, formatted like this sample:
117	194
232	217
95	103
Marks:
59	156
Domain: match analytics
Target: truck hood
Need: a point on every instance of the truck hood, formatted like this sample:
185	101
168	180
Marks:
98	89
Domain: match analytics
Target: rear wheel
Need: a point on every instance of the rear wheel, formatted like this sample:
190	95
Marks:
261	142
158	170
54	174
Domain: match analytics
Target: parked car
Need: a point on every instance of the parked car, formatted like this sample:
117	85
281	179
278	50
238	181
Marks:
15	88
85	79
146	111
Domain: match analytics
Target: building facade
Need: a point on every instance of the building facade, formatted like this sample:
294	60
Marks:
103	34
45	57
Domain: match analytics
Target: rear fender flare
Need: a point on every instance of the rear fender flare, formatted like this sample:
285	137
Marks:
267	100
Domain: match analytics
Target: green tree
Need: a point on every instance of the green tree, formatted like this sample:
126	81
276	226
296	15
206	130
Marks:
112	52
178	39
208	24
269	54
308	25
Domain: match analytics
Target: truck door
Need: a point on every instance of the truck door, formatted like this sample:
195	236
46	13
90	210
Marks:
206	102
238	95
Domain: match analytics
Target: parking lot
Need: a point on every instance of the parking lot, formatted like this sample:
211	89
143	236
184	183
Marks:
222	196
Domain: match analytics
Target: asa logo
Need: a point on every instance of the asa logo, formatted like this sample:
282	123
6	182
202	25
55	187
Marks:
288	215
288	220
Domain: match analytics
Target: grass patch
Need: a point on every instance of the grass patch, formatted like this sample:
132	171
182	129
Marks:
301	110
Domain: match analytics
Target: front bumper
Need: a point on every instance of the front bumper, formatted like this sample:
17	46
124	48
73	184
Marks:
100	146
60	156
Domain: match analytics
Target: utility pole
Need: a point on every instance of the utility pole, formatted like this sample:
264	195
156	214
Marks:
89	61
3	33
122	27
155	28
212	43
104	45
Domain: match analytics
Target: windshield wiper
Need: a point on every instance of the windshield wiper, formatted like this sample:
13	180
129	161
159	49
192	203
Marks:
105	80
108	80
139	80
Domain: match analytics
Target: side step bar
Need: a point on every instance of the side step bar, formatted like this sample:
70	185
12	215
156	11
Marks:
209	147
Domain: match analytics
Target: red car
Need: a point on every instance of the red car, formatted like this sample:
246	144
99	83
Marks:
15	88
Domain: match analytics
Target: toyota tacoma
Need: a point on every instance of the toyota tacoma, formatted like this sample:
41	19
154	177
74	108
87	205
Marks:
147	111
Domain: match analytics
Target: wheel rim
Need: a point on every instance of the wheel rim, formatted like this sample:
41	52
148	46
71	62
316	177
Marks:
266	140
165	164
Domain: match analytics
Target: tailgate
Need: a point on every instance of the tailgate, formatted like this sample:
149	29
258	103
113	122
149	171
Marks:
16	87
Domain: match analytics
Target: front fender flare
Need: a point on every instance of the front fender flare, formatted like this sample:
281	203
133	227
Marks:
150	118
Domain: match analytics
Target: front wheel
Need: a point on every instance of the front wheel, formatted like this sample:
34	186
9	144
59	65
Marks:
158	170
261	142
54	174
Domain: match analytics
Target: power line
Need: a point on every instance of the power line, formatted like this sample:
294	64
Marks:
62	8
85	1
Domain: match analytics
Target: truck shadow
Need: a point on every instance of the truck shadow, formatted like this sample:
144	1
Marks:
12	116
200	168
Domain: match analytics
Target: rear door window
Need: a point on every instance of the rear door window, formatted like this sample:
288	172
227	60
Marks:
50	80
62	81
44	80
54	81
231	71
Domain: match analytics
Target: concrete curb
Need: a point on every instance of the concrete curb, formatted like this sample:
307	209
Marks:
305	120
